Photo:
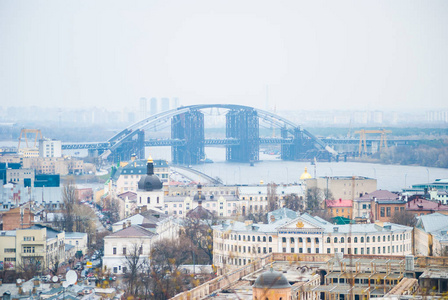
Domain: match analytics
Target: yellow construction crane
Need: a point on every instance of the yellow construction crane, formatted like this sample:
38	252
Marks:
362	139
25	132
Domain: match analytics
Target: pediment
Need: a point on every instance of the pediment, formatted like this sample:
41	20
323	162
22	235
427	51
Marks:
300	223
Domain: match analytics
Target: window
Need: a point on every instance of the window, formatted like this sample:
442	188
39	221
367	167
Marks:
28	238
388	211
264	239
292	240
300	240
342	239
382	212
328	241
368	239
362	239
328	250
270	239
124	250
335	239
114	251
373	239
28	250
284	240
10	250
308	240
356	240
309	250
115	269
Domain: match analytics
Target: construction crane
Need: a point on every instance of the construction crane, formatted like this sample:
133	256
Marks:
362	139
25	132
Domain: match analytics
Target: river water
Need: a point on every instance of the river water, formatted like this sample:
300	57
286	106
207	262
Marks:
271	169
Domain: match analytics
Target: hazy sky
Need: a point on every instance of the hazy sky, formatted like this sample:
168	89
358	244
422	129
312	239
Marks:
310	54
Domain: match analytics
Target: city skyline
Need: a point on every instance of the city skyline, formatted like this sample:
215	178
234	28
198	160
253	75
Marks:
347	55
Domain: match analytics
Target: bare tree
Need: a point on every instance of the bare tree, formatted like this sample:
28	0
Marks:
111	209
272	197
314	198
293	202
69	202
404	217
200	233
30	266
134	264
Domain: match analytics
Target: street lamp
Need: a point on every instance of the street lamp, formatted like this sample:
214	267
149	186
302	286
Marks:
427	171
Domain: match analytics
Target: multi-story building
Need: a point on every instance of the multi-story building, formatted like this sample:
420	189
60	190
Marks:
237	243
431	235
33	245
20	176
50	148
135	235
362	206
344	187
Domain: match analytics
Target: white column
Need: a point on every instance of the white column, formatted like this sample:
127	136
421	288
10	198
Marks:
313	250
321	245
288	245
296	245
304	244
279	244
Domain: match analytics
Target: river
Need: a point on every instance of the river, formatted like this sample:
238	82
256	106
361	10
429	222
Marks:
271	169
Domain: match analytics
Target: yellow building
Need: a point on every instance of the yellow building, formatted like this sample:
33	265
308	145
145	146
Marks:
34	245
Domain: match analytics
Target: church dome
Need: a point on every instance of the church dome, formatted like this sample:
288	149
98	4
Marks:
150	182
271	280
305	175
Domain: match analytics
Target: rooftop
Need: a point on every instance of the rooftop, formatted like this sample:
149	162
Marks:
339	203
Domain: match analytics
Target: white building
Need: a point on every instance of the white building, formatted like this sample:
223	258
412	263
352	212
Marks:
50	148
237	243
78	240
129	241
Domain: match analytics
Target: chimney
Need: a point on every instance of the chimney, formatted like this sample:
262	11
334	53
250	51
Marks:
129	223
124	225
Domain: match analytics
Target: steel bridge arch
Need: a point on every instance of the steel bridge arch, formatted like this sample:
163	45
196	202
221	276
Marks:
280	122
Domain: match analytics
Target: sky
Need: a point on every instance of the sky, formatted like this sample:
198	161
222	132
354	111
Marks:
291	55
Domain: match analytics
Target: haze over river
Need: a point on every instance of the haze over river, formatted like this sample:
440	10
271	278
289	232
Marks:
271	169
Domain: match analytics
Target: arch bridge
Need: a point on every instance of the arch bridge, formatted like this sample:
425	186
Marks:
187	140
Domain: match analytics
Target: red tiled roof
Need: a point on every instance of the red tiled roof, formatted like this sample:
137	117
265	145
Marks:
422	204
339	203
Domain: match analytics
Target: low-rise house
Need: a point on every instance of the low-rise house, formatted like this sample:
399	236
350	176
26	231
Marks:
339	208
78	240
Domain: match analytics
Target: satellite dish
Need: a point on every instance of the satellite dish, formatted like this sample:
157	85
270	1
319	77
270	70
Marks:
71	277
48	277
65	284
19	281
54	279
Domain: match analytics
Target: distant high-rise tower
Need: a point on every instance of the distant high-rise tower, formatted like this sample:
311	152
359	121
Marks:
174	103
154	106
165	104
143	112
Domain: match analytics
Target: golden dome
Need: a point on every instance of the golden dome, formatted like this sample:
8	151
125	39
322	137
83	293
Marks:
150	159
305	175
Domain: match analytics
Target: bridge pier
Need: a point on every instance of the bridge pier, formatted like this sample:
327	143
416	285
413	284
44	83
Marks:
189	127
135	144
242	124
